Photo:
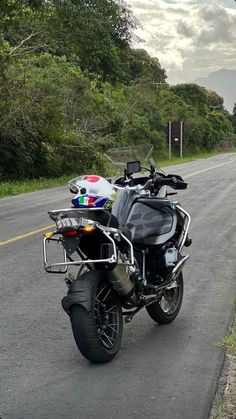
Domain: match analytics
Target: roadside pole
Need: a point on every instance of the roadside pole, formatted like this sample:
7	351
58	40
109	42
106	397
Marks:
169	140
181	139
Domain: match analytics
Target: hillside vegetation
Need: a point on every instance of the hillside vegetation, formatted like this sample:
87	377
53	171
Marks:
71	86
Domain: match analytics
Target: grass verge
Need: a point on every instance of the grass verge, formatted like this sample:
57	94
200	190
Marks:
18	187
227	406
229	341
178	160
220	411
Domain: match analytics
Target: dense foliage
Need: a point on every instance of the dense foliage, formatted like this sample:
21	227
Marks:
71	85
234	118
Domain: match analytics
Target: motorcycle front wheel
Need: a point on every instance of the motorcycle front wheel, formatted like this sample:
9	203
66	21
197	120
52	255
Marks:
98	332
167	307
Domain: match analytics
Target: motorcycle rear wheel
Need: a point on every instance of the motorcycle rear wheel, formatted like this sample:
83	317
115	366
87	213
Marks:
167	308
98	332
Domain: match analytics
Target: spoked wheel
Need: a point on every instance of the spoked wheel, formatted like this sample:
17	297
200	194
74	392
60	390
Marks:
107	316
98	332
167	308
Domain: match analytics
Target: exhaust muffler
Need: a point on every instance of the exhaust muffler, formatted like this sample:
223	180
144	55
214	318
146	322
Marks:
121	282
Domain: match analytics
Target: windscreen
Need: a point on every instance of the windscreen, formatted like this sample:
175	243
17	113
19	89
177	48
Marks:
117	158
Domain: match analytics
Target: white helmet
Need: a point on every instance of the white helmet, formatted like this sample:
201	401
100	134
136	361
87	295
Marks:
92	191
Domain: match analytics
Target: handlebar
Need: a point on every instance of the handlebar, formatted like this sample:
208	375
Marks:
155	183
172	181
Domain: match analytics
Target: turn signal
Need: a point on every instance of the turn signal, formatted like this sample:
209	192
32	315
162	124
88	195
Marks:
48	234
88	229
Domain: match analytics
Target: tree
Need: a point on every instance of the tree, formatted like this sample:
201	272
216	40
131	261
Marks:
215	101
193	95
43	106
95	32
234	117
139	64
89	33
23	29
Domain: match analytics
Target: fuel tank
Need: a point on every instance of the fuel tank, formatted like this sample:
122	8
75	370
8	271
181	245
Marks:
147	221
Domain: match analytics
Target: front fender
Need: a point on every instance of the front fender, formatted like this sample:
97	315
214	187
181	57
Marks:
79	293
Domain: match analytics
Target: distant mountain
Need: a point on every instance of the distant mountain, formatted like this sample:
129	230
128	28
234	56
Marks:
222	82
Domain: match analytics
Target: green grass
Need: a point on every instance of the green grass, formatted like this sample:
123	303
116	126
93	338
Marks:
219	411
227	404
229	341
177	160
18	187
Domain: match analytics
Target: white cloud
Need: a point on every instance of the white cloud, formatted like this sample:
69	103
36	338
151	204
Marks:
190	38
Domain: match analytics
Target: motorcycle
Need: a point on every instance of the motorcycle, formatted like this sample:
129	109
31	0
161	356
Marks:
128	249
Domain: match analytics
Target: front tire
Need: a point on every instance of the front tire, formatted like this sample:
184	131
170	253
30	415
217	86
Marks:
98	332
167	308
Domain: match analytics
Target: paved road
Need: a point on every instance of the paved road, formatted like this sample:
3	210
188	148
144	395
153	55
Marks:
161	372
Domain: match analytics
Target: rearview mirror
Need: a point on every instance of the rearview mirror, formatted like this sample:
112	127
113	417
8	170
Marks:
133	167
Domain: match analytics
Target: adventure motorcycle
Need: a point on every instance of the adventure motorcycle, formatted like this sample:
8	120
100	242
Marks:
128	250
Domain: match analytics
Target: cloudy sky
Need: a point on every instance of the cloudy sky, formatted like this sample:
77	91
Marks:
191	38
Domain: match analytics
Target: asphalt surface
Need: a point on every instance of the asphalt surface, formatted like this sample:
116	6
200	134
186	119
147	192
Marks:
161	372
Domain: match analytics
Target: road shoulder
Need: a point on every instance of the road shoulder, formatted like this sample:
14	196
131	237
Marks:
224	406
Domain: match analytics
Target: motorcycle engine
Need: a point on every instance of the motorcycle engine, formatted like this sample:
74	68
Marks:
159	263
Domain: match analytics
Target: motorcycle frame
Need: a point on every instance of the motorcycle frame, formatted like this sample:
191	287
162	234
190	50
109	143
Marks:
112	234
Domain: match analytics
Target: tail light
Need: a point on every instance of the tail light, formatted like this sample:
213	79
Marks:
67	233
70	227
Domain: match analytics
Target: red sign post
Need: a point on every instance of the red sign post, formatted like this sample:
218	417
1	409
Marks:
176	130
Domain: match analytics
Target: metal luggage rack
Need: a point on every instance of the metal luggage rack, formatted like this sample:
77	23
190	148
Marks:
80	213
112	234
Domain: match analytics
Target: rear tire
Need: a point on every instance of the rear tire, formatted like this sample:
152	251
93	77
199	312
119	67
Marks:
167	308
98	332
